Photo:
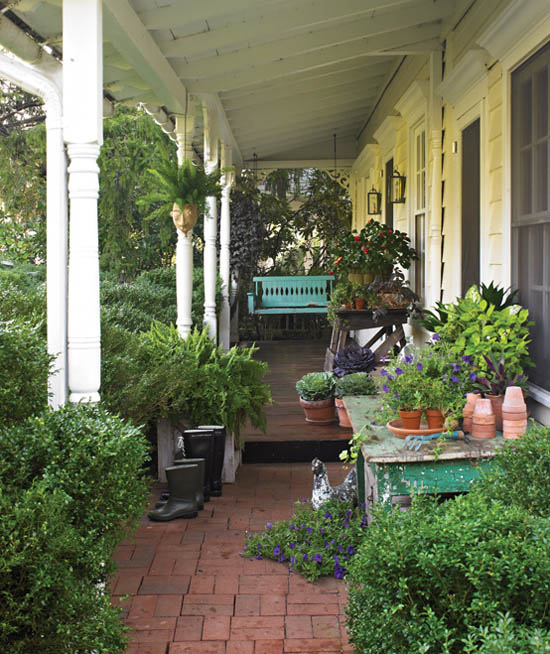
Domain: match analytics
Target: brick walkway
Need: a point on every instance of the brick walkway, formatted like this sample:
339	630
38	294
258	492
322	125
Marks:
192	593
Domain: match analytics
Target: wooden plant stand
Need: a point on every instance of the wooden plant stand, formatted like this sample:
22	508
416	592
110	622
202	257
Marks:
390	332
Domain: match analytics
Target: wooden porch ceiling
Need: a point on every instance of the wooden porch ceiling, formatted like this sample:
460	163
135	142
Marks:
288	74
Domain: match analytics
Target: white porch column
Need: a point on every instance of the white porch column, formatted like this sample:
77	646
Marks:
185	127
435	200
83	133
210	222
225	238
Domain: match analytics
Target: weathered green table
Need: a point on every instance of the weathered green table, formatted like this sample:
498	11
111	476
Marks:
387	471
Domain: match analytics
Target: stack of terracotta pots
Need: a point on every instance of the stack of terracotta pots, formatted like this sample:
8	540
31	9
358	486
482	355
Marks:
468	411
483	420
514	413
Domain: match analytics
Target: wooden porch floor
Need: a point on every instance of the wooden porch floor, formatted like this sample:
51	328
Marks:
286	426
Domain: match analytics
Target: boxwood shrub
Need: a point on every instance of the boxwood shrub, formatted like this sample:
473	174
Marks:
72	486
428	579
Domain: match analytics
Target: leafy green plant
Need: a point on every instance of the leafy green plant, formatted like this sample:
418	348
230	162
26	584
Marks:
357	383
313	542
24	368
425	579
72	486
316	386
497	376
185	184
503	635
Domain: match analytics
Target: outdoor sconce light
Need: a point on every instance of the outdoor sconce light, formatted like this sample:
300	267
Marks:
397	188
373	202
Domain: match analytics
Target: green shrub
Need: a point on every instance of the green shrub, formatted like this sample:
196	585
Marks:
24	367
520	472
23	295
504	636
72	486
423	580
313	542
316	386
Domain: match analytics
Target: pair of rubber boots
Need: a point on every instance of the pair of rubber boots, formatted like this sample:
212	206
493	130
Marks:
185	495
207	442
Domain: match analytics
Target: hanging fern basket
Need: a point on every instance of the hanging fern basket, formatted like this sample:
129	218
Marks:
185	219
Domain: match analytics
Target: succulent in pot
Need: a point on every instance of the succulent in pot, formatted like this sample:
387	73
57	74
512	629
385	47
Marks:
316	393
353	359
357	383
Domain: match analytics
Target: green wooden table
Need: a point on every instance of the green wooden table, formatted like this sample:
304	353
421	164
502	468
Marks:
387	471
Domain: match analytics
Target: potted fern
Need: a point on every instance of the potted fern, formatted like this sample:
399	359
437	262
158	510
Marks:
183	190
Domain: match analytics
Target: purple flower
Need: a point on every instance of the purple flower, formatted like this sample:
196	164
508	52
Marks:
472	376
455	379
292	545
338	572
292	560
321	531
318	558
340	548
309	530
351	550
326	544
385	388
291	526
258	557
435	337
269	525
409	358
419	366
277	550
305	556
328	515
373	422
398	371
456	367
303	499
390	378
383	372
466	358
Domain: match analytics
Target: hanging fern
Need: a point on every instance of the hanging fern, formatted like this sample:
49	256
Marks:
183	184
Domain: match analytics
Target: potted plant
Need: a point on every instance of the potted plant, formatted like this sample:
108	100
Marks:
392	293
353	358
183	190
357	383
402	382
316	393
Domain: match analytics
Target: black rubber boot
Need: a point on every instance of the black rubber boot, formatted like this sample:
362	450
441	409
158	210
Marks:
200	486
182	503
218	455
199	444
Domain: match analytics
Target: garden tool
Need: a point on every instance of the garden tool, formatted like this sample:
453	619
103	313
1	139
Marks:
182	503
199	444
414	441
217	456
200	486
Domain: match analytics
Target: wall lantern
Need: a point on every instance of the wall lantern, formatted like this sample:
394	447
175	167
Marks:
373	202
397	188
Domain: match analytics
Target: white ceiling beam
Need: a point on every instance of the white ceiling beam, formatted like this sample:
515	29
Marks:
372	28
360	67
126	32
319	58
257	25
349	90
296	111
257	129
297	163
269	148
318	89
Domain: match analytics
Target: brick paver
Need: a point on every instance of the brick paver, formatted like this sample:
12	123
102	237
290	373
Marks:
191	592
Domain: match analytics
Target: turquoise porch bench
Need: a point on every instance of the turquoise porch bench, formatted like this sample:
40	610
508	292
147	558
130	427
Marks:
290	295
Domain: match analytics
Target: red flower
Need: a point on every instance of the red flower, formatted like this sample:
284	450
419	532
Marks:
331	272
356	238
390	231
365	250
383	245
337	261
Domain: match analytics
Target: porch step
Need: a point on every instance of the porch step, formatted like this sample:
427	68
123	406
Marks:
293	451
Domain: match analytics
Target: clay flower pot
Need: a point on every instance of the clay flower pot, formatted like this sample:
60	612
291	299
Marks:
468	411
435	418
483	422
343	417
359	303
496	402
319	412
410	419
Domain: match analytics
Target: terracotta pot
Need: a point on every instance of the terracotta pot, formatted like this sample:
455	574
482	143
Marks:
343	417
514	398
511	436
347	306
516	415
410	419
484	420
468	411
512	424
496	403
435	418
467	425
359	303
483	431
319	412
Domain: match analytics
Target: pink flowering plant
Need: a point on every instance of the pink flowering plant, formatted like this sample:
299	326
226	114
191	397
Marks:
313	543
376	248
